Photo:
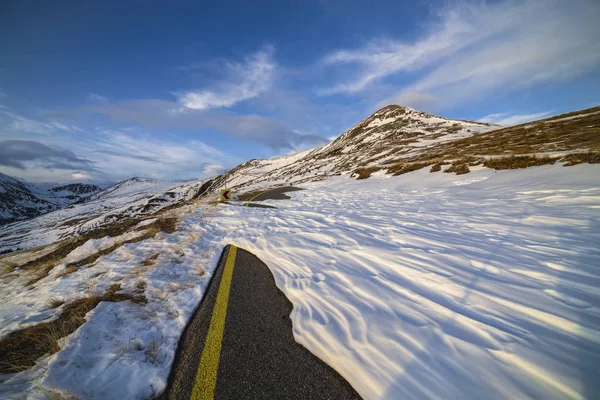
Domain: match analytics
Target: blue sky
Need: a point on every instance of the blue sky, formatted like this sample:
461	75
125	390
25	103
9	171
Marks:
102	91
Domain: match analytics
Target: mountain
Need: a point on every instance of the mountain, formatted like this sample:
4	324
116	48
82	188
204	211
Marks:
74	192
19	201
22	200
131	198
394	140
392	133
397	140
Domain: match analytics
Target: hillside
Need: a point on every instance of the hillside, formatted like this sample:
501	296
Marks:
128	199
397	140
21	200
476	283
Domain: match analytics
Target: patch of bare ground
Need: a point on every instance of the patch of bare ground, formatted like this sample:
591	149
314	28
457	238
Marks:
364	173
19	350
458	168
401	168
579	158
517	162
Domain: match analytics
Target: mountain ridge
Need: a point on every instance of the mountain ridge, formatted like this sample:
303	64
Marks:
21	200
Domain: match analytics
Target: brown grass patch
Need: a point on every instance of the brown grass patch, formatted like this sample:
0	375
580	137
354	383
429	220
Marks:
43	265
55	302
400	168
517	162
436	168
579	158
19	350
150	260
364	173
459	169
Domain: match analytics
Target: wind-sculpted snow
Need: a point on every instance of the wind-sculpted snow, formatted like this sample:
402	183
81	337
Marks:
413	287
441	286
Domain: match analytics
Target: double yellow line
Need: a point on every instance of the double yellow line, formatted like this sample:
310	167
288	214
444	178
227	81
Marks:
206	376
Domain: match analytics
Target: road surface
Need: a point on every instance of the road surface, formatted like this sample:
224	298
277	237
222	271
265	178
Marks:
239	342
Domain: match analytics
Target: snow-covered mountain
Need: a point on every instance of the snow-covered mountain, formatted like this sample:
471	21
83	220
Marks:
480	271
394	140
74	192
397	140
392	133
21	200
135	197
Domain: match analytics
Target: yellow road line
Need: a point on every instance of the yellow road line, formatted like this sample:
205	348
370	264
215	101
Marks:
266	191
206	377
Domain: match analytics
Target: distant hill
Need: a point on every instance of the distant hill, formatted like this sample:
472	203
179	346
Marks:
22	200
397	140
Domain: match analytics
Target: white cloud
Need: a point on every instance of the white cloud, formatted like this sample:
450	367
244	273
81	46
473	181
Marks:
475	50
123	153
80	176
213	170
99	154
506	119
159	114
244	81
18	123
96	97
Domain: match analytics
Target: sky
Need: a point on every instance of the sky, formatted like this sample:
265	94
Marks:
102	91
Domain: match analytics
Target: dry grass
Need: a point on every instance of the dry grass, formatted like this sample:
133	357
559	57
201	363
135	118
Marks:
436	168
19	350
579	158
43	265
152	352
364	173
400	168
141	285
54	394
55	302
151	260
458	168
517	162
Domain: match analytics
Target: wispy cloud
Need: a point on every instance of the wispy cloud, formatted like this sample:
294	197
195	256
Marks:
96	97
471	50
507	119
243	80
17	123
251	127
110	154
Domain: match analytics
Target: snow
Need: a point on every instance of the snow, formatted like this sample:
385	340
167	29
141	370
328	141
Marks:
572	117
425	285
126	199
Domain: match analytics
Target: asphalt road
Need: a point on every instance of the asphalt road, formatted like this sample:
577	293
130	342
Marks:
251	354
274	194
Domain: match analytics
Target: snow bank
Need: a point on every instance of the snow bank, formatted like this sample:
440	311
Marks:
420	286
441	286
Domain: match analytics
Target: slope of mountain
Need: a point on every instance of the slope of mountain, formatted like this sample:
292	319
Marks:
394	140
479	271
398	140
74	192
21	200
131	198
390	133
17	201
